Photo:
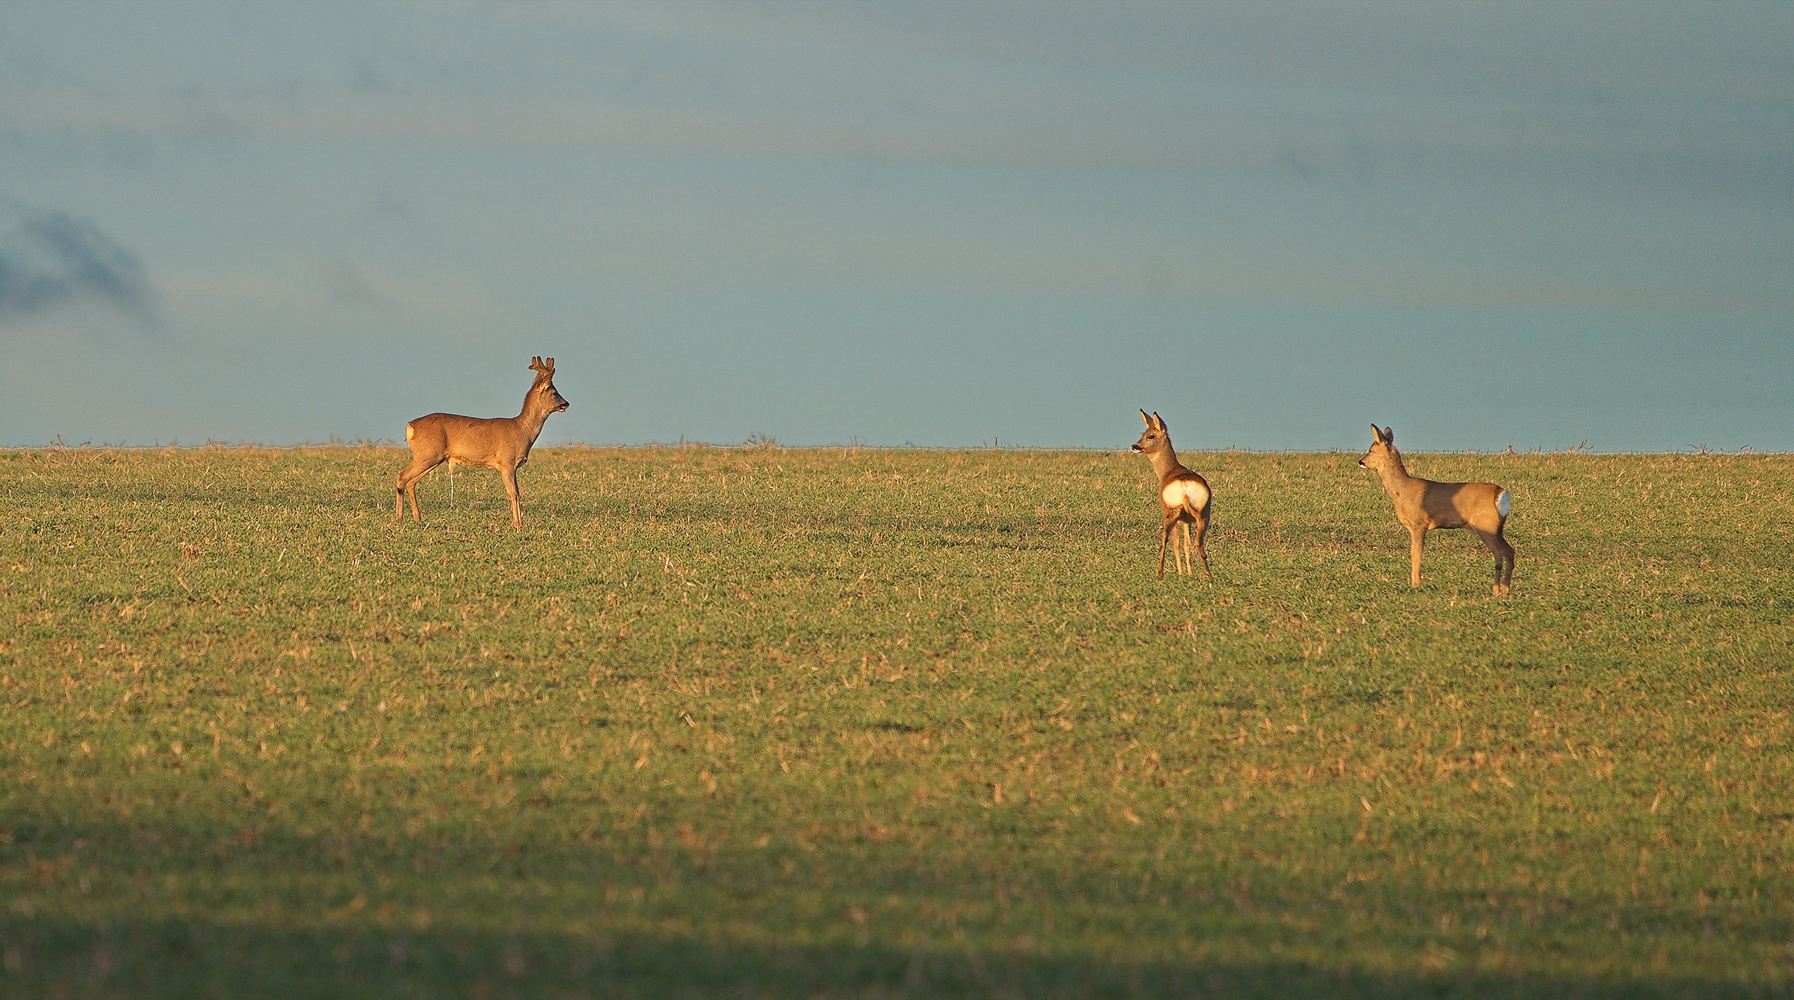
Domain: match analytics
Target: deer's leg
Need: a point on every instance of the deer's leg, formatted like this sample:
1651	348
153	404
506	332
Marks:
510	478
408	486
1183	568
1201	551
1164	536
1504	560
1416	542
1488	540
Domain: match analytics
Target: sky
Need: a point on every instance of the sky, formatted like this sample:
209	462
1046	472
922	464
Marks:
1490	225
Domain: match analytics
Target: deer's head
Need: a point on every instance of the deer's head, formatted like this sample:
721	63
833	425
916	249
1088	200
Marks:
1156	438
544	388
1382	448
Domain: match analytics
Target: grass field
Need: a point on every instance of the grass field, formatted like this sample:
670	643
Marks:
766	722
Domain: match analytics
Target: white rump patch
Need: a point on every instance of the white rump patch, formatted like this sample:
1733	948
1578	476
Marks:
1184	493
409	433
1502	503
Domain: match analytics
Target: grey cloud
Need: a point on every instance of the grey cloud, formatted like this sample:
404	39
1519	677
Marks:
51	259
387	207
348	287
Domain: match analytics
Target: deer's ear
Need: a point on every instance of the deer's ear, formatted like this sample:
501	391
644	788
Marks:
1388	435
1158	421
1146	418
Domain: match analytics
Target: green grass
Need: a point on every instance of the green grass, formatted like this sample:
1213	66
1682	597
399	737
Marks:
732	722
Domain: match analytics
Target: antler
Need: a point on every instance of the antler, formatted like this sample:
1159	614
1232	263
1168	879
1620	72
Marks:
545	369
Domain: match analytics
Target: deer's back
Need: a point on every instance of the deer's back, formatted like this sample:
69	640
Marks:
492	442
1459	505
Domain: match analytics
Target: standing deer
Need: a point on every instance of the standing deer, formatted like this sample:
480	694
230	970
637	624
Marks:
501	443
1421	504
1183	495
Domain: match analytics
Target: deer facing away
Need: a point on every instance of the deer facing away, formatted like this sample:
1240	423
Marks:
1183	495
501	443
1421	504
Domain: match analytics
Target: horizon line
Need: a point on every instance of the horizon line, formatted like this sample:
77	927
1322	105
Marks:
768	445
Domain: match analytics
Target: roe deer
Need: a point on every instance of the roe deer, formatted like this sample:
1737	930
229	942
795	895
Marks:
501	443
1183	495
1421	504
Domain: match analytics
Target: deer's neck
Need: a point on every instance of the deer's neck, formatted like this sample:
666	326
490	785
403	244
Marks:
1396	481
530	421
1165	463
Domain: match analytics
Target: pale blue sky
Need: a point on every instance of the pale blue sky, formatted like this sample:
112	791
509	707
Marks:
1486	224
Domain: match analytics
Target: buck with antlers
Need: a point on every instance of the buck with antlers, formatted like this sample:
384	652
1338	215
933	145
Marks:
1421	504
501	443
1183	495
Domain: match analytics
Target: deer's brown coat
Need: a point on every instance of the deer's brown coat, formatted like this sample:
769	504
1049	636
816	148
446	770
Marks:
501	443
1422	504
1184	497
